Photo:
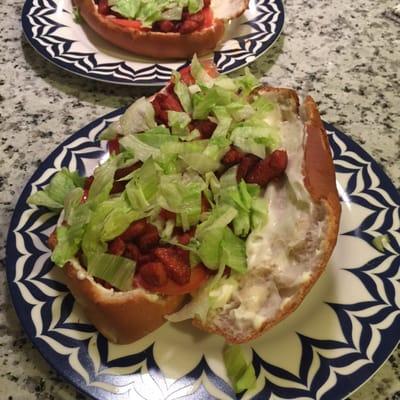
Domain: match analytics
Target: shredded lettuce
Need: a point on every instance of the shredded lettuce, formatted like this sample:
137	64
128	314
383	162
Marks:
178	121
194	89
241	112
77	15
193	135
197	307
208	159
78	216
118	219
177	171
91	239
140	149
169	163
182	91
241	224
155	139
109	217
247	82
139	117
220	247
127	8
380	242
212	295
126	159
210	248
72	201
168	230
195	6
262	105
159	130
200	75
224	121
41	198
150	11
172	14
240	372
236	195
146	12
200	162
220	217
212	182
181	194
221	293
68	242
142	189
204	102
218	244
199	155
255	139
103	180
181	148
116	270
70	234
224	82
228	178
53	195
244	197
259	213
111	131
217	147
233	251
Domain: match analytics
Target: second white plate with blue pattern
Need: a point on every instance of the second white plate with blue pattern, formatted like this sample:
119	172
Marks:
50	28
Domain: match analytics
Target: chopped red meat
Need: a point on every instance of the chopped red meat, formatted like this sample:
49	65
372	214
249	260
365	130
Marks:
269	168
177	269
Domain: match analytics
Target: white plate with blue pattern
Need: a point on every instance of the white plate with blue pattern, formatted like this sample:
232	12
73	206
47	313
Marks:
50	27
336	340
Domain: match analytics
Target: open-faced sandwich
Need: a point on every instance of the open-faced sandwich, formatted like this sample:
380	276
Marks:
161	28
218	203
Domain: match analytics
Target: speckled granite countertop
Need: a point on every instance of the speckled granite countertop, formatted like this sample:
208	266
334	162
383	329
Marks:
346	54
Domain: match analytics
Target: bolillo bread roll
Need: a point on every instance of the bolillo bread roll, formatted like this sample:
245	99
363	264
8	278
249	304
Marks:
269	263
163	45
281	273
122	317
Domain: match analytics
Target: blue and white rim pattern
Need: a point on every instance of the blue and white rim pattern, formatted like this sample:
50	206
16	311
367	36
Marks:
50	28
363	315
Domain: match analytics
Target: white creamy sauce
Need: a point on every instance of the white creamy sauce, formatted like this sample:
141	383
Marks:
252	298
274	272
289	212
279	258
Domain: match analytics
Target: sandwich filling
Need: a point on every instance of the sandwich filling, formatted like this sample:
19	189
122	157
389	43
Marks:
281	254
167	16
203	193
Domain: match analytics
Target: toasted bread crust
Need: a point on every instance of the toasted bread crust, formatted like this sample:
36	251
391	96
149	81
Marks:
319	172
151	44
319	180
122	317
